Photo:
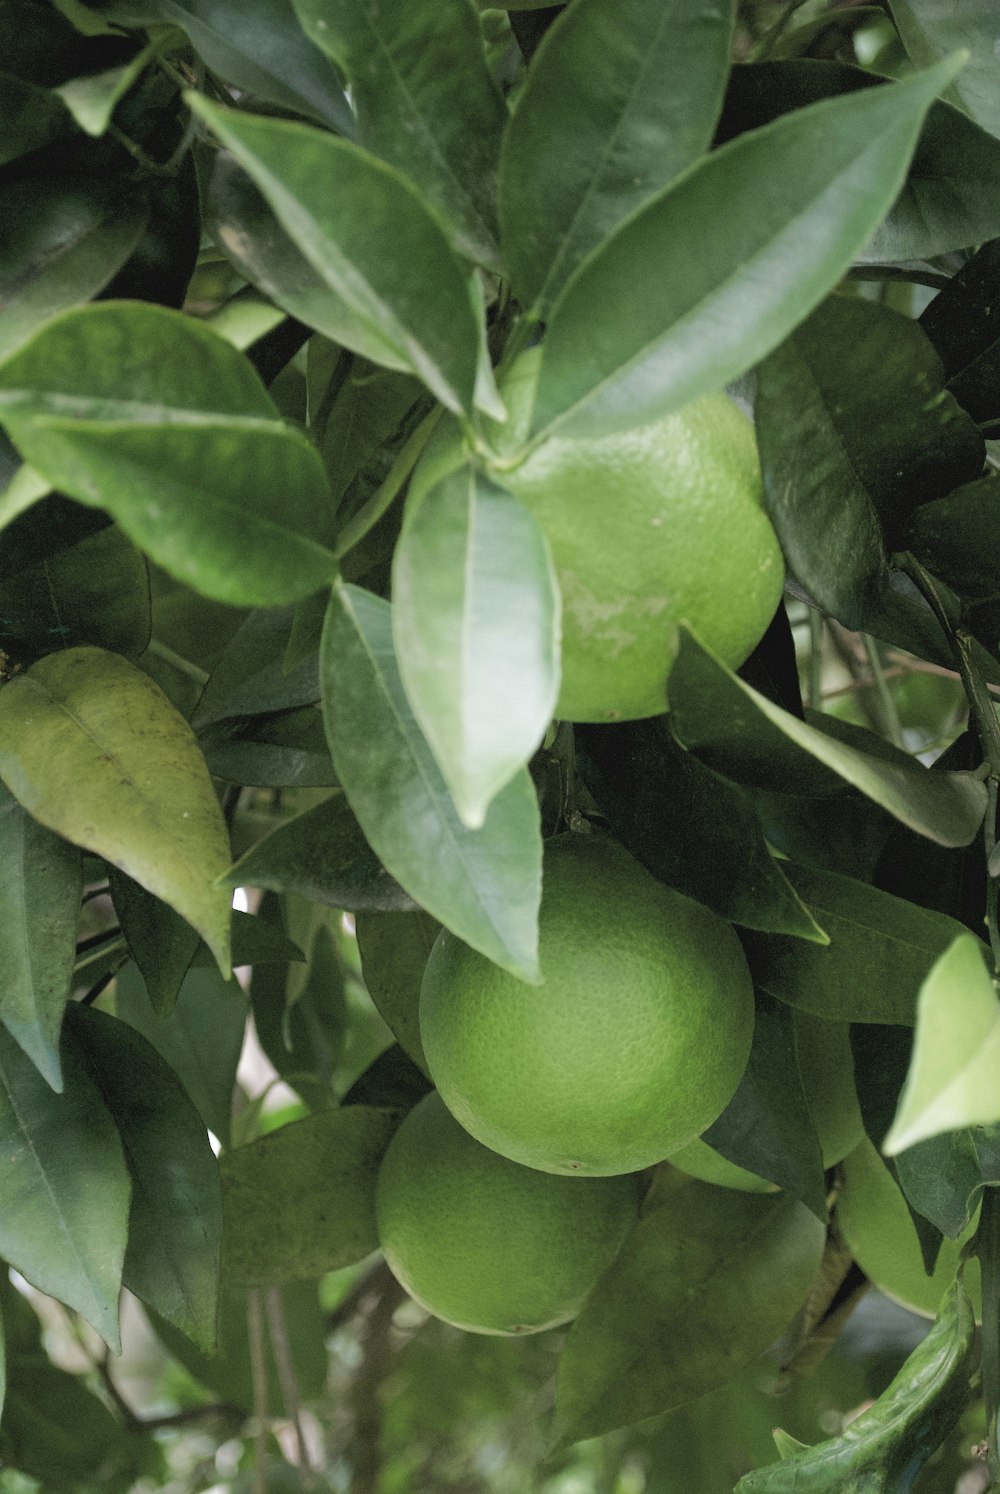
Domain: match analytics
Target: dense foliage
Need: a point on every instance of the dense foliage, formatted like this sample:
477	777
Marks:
261	262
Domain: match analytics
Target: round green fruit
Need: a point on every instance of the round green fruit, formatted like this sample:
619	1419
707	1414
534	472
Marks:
632	1045
485	1244
877	1228
647	527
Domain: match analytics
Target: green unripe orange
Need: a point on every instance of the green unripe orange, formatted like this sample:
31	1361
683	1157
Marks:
632	1045
485	1244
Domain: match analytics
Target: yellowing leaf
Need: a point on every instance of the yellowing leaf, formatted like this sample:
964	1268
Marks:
94	750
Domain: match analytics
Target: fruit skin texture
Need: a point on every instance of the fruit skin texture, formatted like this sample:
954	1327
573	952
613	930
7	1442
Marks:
647	527
632	1045
485	1244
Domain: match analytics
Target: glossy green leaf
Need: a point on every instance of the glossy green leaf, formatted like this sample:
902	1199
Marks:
92	97
96	591
961	323
65	1187
704	1284
881	949
301	1200
958	538
146	413
72	236
394	949
322	855
200	1040
425	101
367	233
683	822
711	275
94	750
741	733
175	1218
855	429
41	882
886	1446
954	1077
932	28
160	941
948	200
257	45
766	1128
476	626
484	885
631	94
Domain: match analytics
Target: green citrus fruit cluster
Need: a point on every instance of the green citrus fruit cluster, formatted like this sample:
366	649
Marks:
648	527
484	1243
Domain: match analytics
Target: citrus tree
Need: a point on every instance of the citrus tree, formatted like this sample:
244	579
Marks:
500	549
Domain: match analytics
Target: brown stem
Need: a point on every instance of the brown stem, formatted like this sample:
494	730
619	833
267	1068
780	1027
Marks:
287	1377
258	1370
376	1362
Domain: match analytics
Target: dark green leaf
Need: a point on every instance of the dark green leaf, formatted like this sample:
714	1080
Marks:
303	1039
249	678
712	274
741	734
949	198
476	628
301	1200
394	949
766	1128
424	100
288	750
94	750
146	413
484	884
200	1040
65	1186
684	823
73	233
381	252
933	28
961	322
881	949
175	1219
95	592
159	940
257	45
855	430
958	538
631	96
40	885
322	855
703	1286
92	98
29	118
391	1081
59	1432
943	1178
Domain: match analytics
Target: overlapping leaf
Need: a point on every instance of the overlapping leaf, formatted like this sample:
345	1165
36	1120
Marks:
616	104
424	100
365	230
485	884
93	749
65	1186
933	28
149	415
40	885
711	275
704	1284
476	626
175	1216
301	1200
739	732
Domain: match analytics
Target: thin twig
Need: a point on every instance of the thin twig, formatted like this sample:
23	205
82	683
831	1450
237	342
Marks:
287	1377
815	685
258	1371
890	715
